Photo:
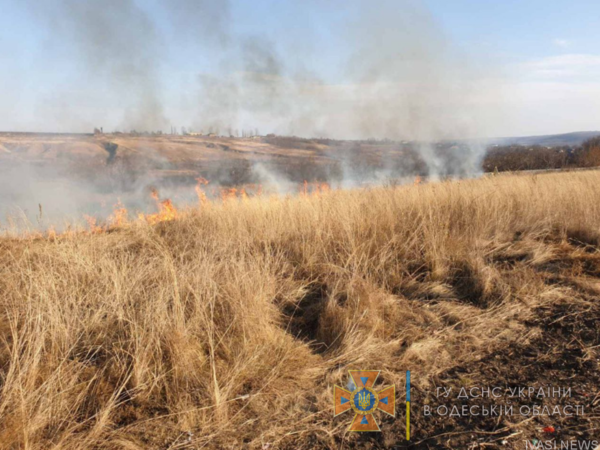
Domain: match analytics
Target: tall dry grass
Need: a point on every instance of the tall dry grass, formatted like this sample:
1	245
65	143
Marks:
228	327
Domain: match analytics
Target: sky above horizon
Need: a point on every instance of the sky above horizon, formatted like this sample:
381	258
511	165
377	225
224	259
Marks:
328	68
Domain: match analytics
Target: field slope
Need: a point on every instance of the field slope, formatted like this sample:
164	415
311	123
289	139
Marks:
229	327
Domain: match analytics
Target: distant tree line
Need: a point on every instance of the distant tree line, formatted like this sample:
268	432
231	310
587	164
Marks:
537	157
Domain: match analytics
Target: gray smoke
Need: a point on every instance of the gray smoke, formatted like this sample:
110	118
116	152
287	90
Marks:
392	72
384	69
116	48
400	78
205	22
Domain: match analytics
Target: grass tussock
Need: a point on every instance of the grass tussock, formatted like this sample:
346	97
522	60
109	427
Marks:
228	327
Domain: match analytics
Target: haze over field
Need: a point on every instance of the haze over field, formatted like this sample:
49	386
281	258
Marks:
354	69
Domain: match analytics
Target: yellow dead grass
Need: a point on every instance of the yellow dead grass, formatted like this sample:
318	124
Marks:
228	327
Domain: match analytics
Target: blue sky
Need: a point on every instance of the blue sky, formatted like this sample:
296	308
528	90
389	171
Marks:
525	67
521	29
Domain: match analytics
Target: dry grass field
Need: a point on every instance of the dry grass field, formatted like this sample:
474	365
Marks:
229	326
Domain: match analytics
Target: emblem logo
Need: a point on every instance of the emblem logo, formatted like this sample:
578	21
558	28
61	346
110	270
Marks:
364	400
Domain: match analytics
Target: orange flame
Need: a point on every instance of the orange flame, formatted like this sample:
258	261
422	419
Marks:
228	194
320	188
167	213
166	210
119	216
314	188
91	221
202	198
418	180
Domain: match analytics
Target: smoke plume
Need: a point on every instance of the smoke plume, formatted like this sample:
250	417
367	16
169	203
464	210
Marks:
382	69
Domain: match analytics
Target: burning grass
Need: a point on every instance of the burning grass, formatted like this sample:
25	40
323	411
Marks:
227	326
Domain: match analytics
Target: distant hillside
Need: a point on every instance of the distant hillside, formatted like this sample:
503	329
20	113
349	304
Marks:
551	140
